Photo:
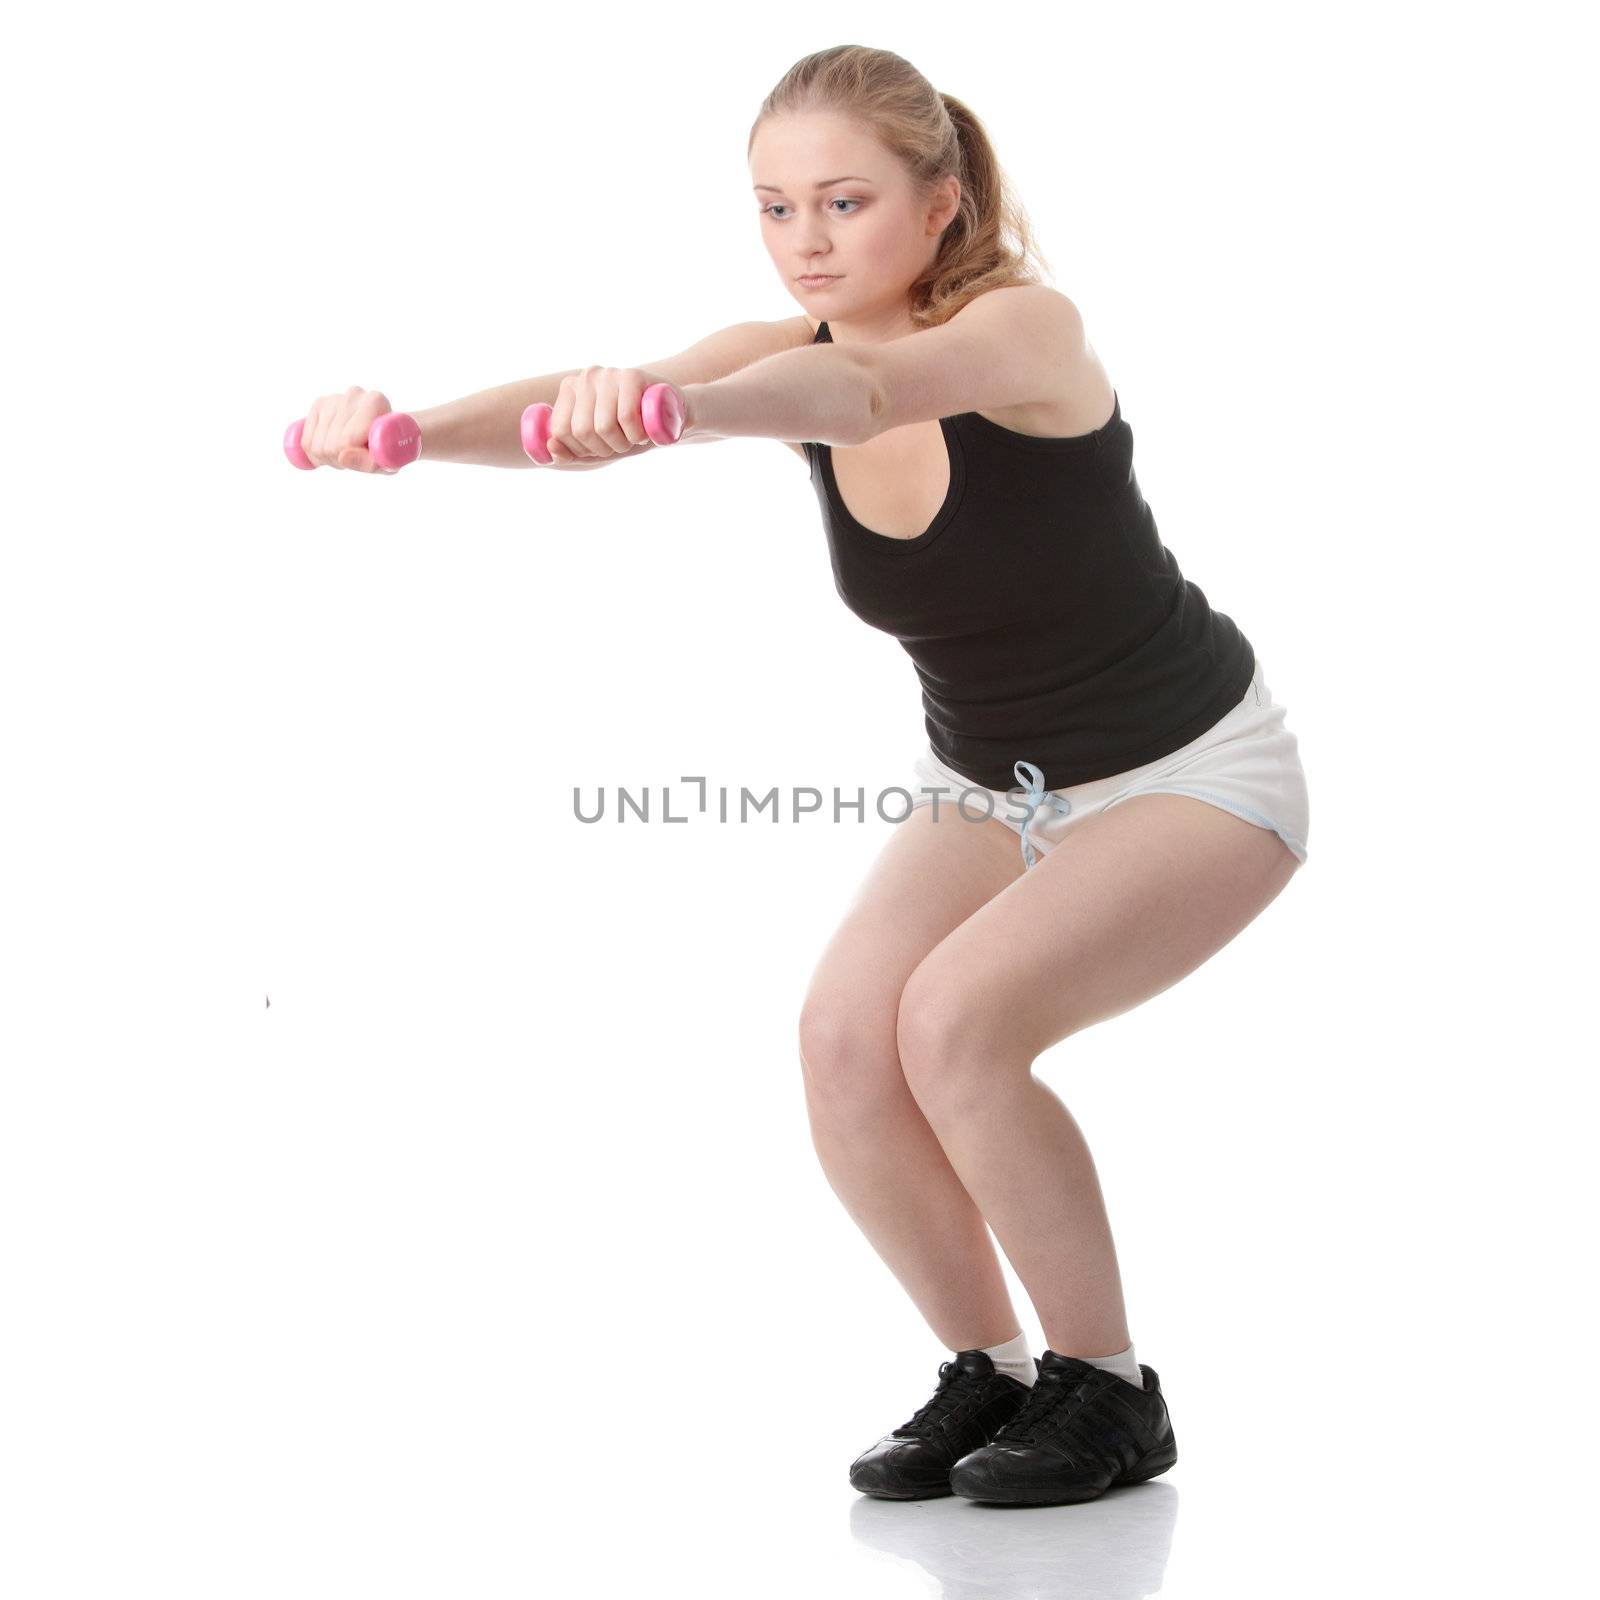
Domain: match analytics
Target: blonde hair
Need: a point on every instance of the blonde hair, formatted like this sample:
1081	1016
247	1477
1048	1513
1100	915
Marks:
988	244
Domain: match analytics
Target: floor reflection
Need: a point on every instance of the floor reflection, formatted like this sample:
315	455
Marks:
1113	1548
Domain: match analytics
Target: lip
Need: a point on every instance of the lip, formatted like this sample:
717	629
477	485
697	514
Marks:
816	280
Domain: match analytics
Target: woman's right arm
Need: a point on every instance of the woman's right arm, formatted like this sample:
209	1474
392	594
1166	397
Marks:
484	429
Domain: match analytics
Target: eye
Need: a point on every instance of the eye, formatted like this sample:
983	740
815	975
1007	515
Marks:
838	200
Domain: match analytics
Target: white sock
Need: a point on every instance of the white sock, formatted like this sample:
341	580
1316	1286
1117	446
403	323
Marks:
1122	1363
1012	1358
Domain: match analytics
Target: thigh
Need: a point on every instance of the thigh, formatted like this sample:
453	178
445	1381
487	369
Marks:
1124	906
932	873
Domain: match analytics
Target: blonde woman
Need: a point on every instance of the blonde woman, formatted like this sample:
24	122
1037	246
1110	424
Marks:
1108	793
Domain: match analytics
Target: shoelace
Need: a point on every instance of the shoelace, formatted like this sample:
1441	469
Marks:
956	1390
1042	1412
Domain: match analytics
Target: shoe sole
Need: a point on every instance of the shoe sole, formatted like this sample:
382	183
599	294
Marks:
907	1494
1151	1468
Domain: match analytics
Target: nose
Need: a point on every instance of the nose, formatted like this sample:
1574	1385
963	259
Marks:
808	245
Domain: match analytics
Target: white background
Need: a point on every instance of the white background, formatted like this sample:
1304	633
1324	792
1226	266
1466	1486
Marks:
493	1258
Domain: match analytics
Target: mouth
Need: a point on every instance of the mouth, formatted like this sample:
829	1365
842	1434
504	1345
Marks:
817	277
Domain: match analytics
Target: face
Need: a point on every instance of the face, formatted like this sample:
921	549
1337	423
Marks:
833	201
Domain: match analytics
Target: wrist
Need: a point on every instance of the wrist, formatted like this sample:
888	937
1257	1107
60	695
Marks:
437	427
703	410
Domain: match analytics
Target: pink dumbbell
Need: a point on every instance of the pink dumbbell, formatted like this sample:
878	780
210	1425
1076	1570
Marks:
659	408
394	440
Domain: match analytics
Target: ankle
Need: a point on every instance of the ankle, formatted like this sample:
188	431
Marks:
1123	1363
1013	1359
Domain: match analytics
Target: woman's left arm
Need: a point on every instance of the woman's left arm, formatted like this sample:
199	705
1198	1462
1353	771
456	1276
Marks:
823	392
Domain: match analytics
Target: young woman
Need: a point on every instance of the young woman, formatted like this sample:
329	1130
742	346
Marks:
975	475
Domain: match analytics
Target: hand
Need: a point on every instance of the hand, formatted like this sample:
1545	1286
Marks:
335	430
596	419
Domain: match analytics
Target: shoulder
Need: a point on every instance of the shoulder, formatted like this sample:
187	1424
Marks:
1014	354
1081	398
1030	308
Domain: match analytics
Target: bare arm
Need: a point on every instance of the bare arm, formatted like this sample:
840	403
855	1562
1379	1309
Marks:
824	392
483	429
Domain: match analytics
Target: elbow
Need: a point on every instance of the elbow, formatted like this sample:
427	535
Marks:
877	406
870	402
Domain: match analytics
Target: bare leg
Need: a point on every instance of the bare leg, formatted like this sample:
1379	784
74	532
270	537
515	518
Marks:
1126	905
880	1156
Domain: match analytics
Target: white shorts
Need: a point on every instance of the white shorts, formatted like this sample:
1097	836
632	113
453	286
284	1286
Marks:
1248	763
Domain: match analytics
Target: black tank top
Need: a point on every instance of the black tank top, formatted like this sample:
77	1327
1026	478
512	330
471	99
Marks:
1044	616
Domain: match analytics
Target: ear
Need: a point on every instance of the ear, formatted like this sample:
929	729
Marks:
945	204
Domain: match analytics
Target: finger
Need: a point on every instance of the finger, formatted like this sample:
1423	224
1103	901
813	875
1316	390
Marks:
581	436
308	433
330	432
608	426
328	425
335	434
352	449
630	412
346	430
561	418
372	405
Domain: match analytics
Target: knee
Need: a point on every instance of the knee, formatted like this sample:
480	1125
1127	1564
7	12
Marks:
847	1053
941	1039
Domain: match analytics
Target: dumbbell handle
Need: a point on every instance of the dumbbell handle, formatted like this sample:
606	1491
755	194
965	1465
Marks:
660	409
394	440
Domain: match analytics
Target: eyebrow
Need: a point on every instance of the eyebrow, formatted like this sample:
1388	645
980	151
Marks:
849	177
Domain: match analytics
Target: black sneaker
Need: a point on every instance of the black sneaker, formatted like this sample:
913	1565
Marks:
1081	1431
913	1462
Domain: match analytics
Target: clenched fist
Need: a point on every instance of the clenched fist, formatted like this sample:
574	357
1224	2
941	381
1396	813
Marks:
596	419
336	426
